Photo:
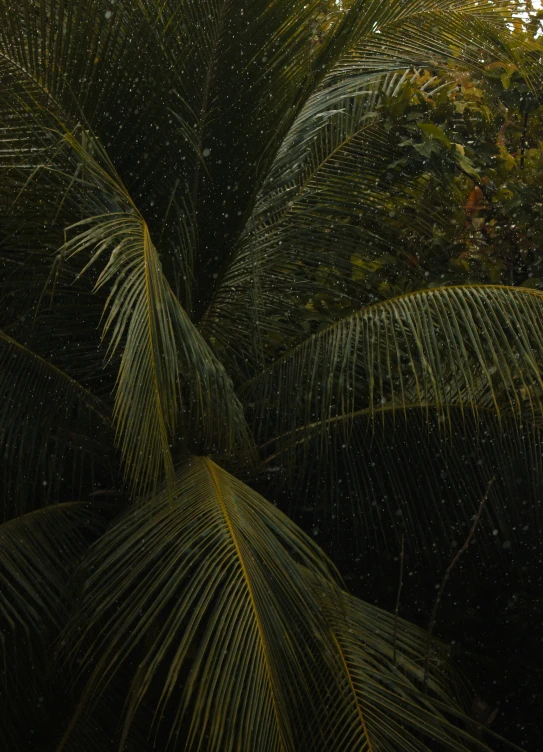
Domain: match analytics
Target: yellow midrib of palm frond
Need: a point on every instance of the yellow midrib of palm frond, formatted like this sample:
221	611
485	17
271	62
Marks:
359	709
210	467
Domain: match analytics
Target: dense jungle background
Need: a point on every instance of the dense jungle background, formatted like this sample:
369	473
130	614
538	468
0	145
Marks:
271	391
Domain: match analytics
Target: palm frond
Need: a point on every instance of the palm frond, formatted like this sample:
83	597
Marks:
242	636
385	38
382	474
324	202
162	353
202	170
322	219
253	65
472	346
248	62
398	398
49	426
217	610
45	188
102	727
37	551
379	705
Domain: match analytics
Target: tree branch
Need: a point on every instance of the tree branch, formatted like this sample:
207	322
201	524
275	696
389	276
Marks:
445	579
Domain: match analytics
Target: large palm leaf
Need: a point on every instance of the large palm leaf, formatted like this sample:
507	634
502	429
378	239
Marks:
51	427
85	83
37	552
242	635
473	346
144	316
323	206
420	379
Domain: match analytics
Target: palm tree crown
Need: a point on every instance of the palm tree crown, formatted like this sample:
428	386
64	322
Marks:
183	181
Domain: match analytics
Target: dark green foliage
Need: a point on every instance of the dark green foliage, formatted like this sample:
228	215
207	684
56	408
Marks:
253	244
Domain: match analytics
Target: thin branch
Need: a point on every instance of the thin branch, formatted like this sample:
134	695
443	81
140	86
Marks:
397	609
445	580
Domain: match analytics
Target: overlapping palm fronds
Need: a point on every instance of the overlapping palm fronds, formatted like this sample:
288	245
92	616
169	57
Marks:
472	347
438	368
49	424
38	552
242	635
179	180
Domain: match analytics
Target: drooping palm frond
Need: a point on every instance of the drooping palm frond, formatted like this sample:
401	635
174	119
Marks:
241	60
248	63
324	204
37	551
383	474
396	400
241	635
44	190
49	428
217	610
151	153
472	346
101	727
144	317
307	227
166	367
378	704
458	33
165	361
39	545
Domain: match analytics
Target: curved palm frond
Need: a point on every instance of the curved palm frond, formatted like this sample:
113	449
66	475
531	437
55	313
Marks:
307	228
50	426
217	609
248	62
197	166
44	190
324	204
241	59
144	316
241	634
396	400
38	546
37	551
379	705
436	34
383	473
471	346
102	727
163	355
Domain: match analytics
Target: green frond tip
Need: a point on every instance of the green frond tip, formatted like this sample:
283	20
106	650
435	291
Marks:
473	347
38	546
237	625
387	473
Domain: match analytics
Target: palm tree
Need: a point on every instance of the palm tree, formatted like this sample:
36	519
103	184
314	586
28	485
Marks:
183	184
